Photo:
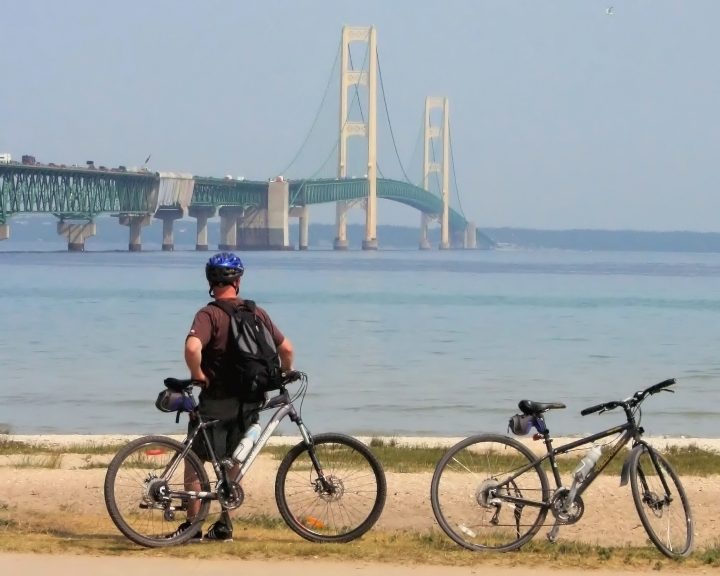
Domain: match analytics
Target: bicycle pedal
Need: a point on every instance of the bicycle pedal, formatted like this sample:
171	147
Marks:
553	533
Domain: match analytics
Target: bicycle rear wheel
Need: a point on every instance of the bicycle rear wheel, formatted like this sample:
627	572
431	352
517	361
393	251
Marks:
471	493
341	505
144	487
661	503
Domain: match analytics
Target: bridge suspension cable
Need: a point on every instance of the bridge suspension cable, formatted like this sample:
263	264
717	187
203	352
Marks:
317	114
336	145
415	156
452	164
387	113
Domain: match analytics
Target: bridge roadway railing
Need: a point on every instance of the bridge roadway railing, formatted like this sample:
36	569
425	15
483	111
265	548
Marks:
75	193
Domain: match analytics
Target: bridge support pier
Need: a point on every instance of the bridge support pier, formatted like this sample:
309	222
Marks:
168	217
202	214
251	231
470	236
229	216
302	213
341	210
135	222
424	225
278	237
370	241
76	234
4	231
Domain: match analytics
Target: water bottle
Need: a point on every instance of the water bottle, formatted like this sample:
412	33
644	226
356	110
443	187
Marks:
248	441
587	463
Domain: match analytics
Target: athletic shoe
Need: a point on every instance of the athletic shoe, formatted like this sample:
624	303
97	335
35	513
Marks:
219	532
197	537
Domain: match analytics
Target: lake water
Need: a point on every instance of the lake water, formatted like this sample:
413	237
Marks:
395	342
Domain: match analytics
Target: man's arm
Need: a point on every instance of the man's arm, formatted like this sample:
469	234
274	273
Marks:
286	353
193	357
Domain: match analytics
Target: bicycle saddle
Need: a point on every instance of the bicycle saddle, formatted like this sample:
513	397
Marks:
530	407
178	385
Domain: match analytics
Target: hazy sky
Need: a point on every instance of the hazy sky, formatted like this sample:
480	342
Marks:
563	116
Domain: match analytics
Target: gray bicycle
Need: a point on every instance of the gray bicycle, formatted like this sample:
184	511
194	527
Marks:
491	492
329	487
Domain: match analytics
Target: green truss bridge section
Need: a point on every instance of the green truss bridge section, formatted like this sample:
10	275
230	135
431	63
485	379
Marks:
75	193
304	192
247	193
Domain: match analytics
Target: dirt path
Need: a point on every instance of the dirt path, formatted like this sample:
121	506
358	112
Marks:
58	565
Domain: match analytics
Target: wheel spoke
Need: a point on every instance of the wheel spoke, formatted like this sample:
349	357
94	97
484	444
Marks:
470	490
144	486
664	513
346	504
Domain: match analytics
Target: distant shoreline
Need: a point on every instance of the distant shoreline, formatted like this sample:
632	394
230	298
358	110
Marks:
39	230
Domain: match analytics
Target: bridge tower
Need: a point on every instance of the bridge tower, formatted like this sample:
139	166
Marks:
368	129
429	167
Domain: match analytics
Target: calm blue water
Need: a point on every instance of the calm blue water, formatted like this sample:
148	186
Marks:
406	343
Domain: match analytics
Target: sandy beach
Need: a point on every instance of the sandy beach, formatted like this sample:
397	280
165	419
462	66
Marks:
610	518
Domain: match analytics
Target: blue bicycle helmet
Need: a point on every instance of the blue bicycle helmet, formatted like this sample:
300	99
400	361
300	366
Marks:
223	269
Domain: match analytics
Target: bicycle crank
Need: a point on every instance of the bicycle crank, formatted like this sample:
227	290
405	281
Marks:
566	512
232	497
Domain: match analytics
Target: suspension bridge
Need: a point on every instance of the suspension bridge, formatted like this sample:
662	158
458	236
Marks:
255	214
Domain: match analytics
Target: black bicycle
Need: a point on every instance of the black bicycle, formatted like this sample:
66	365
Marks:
490	492
329	487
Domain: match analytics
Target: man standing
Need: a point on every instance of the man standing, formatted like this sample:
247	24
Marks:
207	358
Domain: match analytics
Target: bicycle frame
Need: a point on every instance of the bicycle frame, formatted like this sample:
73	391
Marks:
286	409
629	430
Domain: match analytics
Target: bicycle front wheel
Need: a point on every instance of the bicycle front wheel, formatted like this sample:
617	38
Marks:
145	491
661	503
340	501
476	493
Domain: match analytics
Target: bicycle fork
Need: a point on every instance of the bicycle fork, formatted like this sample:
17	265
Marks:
322	484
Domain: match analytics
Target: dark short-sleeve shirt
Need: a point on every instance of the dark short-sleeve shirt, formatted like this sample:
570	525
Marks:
211	326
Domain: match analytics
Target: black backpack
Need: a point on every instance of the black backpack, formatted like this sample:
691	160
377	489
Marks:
251	366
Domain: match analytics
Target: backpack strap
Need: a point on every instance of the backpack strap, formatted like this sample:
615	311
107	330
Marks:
245	311
231	306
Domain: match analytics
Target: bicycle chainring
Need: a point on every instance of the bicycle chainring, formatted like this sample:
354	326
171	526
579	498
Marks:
232	498
574	512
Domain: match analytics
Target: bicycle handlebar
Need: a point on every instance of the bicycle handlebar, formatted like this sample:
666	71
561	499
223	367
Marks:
598	407
659	387
291	376
636	399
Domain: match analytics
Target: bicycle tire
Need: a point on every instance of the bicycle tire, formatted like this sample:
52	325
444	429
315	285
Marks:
669	528
342	515
133	487
465	498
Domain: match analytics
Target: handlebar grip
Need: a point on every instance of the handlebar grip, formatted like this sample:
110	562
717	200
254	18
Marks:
660	386
291	376
592	409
